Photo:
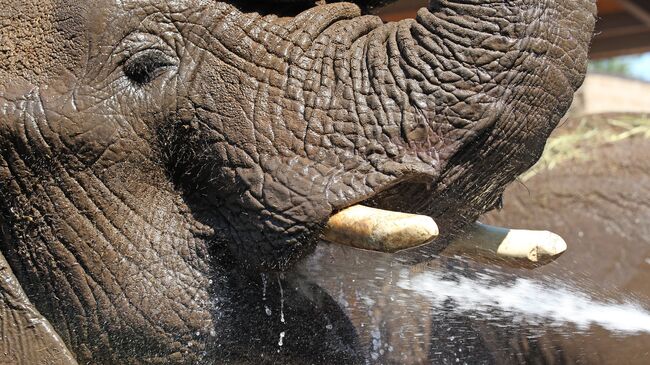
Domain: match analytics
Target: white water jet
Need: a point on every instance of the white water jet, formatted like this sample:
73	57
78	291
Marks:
528	301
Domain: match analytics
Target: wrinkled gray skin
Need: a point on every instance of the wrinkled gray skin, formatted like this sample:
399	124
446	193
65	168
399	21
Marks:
153	152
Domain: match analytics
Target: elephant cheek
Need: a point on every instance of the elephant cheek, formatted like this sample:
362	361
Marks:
277	214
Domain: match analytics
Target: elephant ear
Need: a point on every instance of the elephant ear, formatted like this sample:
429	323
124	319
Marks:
26	336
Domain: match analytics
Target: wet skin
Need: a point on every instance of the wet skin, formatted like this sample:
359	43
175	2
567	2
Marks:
155	154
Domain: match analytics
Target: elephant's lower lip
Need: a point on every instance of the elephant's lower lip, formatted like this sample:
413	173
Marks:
379	230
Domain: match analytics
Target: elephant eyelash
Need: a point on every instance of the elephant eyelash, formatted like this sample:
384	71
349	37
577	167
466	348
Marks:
143	67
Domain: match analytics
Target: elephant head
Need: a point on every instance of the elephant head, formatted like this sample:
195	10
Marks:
146	145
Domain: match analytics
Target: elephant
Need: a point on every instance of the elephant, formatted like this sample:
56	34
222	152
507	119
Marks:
164	165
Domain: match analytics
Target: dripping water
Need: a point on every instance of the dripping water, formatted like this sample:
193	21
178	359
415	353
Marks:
280	276
267	310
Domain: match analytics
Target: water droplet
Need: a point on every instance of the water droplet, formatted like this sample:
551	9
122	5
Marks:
264	287
281	298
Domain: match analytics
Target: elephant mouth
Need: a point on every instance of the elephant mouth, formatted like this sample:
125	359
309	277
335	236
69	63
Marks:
382	230
369	226
378	224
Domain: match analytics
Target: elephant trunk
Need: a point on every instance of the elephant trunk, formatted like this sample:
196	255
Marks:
472	88
463	68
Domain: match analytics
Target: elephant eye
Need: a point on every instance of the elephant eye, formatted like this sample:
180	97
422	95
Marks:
143	67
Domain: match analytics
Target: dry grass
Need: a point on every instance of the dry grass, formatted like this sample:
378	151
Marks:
576	144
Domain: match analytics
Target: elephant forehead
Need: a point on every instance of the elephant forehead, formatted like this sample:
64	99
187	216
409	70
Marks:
44	37
38	35
26	33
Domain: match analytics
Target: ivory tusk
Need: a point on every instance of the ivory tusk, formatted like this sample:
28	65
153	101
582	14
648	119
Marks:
379	230
515	245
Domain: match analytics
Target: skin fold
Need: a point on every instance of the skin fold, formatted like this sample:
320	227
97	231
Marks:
156	155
